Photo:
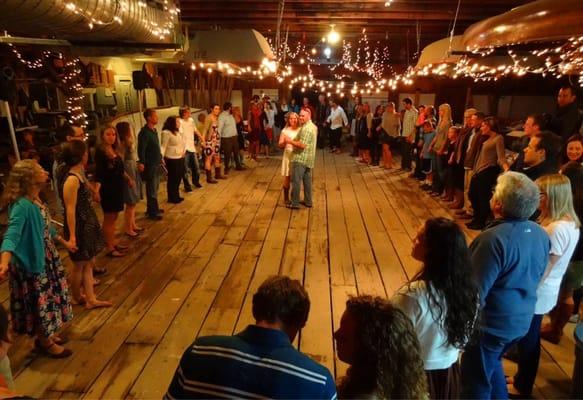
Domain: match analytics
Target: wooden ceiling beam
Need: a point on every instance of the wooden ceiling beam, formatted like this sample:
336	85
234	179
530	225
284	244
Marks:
432	4
337	17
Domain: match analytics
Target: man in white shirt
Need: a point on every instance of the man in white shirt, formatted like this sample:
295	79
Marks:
188	131
229	143
408	126
337	119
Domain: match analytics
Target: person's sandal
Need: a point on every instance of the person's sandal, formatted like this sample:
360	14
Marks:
115	254
99	271
121	247
45	350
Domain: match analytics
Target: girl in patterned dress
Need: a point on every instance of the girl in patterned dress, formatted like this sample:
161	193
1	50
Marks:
82	228
212	145
39	294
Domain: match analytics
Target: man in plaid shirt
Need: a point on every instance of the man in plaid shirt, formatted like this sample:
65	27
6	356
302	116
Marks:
303	160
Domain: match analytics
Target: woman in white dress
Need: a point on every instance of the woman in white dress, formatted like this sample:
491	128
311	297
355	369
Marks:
291	130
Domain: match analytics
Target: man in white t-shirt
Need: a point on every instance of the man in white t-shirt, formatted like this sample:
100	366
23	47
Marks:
188	131
336	120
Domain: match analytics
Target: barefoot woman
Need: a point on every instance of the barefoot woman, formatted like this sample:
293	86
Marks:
81	225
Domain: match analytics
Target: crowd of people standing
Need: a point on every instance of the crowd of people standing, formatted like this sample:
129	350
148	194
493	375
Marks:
449	325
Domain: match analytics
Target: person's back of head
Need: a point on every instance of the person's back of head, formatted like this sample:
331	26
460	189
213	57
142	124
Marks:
515	196
283	302
380	344
72	154
558	204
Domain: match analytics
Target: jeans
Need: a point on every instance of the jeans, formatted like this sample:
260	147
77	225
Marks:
301	173
482	373
152	179
439	172
375	151
480	193
406	156
191	162
175	168
335	135
528	357
230	147
322	136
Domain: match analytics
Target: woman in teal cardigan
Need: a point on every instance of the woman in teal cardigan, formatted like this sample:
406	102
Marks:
39	293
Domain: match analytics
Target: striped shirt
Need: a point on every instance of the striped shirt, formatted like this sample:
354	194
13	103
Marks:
308	135
256	363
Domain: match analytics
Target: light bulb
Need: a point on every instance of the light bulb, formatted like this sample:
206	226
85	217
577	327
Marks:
327	52
333	36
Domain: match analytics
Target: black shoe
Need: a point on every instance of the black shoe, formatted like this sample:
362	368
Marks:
241	168
197	185
160	211
292	206
156	217
306	205
187	189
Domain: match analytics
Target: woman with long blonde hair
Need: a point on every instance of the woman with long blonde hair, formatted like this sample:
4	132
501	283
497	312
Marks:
39	293
439	148
390	128
560	221
111	177
573	278
291	130
132	193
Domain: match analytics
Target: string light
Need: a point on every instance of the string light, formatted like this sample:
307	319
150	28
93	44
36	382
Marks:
266	68
121	7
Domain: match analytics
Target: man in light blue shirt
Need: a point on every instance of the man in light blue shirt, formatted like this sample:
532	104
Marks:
229	142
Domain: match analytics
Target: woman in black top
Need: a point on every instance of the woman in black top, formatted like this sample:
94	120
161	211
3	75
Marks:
110	177
81	225
240	134
375	143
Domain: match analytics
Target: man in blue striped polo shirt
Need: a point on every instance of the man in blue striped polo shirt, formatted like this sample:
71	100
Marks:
260	361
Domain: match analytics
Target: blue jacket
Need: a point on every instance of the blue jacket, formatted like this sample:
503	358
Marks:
256	363
24	237
510	258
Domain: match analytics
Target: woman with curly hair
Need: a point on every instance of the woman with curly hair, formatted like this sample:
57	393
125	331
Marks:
442	302
39	293
379	343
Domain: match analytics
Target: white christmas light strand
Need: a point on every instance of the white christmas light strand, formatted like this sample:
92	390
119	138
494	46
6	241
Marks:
123	7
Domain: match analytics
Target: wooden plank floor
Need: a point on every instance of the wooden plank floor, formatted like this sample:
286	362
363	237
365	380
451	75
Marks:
194	274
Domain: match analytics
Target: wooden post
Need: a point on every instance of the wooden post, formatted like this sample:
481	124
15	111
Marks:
6	108
469	99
